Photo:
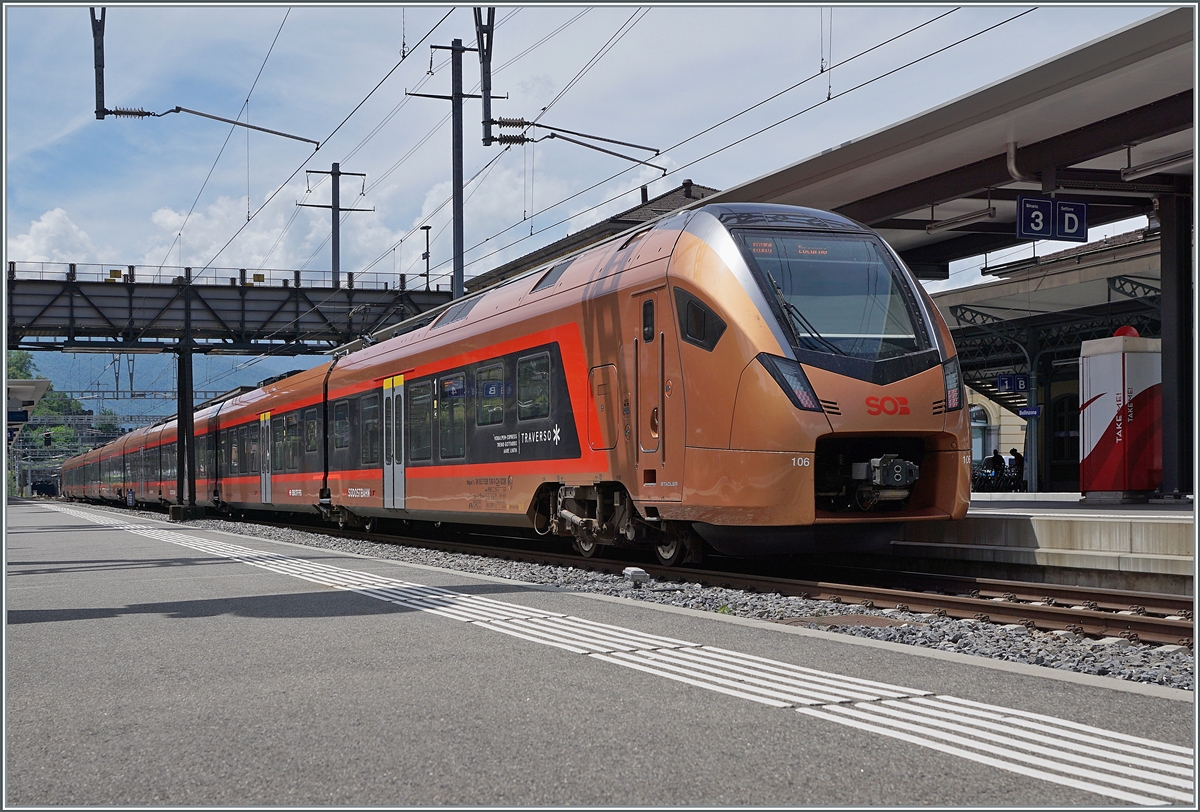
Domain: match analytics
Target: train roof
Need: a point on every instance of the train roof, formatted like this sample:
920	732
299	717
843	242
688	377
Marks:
776	215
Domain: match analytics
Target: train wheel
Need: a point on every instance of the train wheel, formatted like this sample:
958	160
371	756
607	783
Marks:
588	548
671	550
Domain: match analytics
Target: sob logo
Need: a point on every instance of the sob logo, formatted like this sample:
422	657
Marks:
887	405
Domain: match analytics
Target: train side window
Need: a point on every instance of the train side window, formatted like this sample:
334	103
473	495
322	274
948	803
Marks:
452	417
489	395
420	421
697	321
387	431
312	432
293	442
533	387
277	452
253	434
370	430
233	452
244	445
648	321
341	424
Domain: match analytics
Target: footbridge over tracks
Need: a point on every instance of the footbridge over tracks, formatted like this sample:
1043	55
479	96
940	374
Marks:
1110	125
88	308
94	308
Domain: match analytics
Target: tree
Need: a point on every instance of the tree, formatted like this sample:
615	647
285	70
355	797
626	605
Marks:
20	365
57	403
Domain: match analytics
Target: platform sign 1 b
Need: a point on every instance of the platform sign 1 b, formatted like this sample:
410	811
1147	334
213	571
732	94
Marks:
1040	218
1012	383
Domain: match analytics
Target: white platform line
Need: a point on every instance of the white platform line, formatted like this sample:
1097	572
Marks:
898	710
827	686
882	687
775	703
875	714
1069	740
1026	718
980	758
504	628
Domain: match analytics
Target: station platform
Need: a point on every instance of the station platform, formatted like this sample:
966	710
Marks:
1063	539
170	665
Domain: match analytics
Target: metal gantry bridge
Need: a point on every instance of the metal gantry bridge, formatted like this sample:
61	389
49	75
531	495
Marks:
74	307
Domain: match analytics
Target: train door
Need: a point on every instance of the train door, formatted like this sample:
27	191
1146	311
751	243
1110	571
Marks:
264	451
659	408
393	442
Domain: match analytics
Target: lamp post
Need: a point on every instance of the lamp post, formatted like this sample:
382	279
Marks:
426	254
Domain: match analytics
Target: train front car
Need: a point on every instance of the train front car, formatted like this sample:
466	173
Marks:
847	415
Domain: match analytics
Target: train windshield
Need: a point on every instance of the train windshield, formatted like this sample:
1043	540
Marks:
837	294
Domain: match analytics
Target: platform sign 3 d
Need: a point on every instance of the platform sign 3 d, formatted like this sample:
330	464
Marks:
1040	218
1035	218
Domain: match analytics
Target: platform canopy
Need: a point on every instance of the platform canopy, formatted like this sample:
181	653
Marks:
1076	121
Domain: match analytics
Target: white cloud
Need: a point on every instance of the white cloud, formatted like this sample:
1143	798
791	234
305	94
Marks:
52	238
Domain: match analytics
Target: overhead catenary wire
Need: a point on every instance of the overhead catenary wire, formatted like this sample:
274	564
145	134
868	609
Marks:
249	93
324	141
446	118
736	115
790	117
433	131
705	132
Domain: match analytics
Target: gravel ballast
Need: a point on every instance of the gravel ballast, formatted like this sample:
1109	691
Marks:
1170	666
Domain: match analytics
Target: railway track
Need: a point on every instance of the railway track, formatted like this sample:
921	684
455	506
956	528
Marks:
1136	616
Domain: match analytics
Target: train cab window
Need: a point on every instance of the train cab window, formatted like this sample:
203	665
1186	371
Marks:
253	435
452	417
697	321
370	430
420	421
533	387
312	432
489	395
292	439
648	321
341	424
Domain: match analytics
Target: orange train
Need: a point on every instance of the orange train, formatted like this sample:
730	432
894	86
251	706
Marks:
760	378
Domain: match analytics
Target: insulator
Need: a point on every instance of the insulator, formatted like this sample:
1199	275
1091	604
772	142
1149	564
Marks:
510	122
127	112
511	139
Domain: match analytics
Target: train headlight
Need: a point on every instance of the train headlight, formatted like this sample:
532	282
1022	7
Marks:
952	374
792	379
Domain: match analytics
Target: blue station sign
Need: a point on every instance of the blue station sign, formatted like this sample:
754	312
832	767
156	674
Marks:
1029	411
1012	383
1040	218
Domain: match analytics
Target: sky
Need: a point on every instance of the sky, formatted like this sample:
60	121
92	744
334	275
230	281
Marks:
179	189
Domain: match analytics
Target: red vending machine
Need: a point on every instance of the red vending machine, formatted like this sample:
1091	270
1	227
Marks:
1120	418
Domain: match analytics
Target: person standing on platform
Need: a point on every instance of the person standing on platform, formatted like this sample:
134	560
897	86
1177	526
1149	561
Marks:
1018	464
996	462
